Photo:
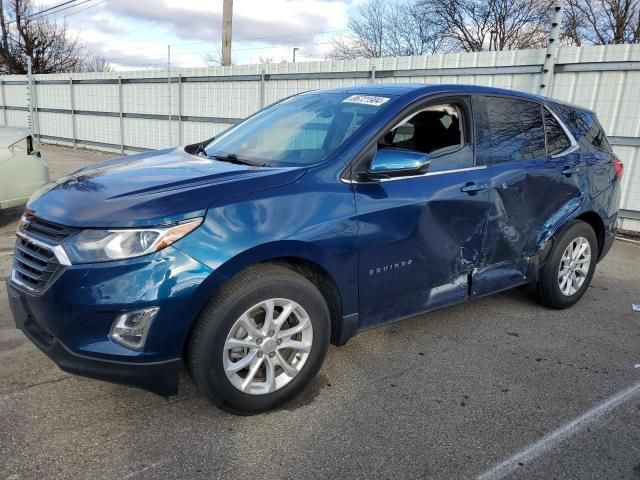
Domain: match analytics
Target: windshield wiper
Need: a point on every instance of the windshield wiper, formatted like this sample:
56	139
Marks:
233	158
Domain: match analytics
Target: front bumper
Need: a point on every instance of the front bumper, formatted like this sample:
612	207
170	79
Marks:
70	320
158	377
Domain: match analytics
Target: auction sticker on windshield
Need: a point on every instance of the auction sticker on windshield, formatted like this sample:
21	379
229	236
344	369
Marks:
366	100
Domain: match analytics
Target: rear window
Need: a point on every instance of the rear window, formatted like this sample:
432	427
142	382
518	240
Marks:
508	130
585	127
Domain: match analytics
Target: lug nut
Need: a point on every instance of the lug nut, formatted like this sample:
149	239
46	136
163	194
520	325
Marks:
279	341
260	354
259	341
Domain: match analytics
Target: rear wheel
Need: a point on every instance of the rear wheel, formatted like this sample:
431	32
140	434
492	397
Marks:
260	341
566	275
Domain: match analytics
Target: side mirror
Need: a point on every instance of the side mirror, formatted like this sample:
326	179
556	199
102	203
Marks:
395	162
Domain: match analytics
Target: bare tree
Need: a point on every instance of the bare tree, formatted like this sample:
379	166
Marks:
381	29
214	57
48	43
367	33
603	22
97	64
477	25
572	31
413	32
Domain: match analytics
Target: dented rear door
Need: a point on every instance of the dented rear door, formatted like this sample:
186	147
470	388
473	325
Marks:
531	190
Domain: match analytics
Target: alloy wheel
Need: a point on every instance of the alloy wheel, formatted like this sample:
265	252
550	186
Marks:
267	346
574	266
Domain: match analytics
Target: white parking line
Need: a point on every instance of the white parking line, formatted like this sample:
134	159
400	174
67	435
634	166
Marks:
558	436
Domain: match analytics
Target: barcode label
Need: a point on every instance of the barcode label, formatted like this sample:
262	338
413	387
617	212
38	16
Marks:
366	100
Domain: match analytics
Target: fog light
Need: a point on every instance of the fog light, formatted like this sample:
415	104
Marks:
131	328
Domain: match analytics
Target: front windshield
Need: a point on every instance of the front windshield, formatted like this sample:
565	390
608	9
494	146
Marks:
302	130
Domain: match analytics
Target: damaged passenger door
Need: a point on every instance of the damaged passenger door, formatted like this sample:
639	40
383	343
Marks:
534	180
420	235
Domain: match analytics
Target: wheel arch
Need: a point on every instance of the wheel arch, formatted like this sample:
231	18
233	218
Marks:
326	284
590	217
596	222
306	259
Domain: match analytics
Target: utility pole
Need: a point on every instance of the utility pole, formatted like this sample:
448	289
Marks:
295	49
227	19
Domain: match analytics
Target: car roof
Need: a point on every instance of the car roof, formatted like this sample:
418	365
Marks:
400	89
11	135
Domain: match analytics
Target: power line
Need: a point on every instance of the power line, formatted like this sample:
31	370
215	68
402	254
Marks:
272	47
195	53
85	8
204	51
248	39
65	8
38	14
51	8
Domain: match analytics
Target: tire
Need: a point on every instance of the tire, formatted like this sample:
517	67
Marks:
240	310
556	290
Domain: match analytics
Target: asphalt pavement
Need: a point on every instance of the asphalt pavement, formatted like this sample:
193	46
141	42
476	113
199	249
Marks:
497	388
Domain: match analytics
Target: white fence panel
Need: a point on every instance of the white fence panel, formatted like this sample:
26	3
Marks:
140	110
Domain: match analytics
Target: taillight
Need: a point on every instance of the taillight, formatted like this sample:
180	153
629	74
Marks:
618	168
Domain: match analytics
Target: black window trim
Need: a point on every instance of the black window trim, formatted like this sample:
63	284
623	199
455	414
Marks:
574	143
348	176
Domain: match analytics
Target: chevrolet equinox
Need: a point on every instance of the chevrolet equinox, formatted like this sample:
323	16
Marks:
325	214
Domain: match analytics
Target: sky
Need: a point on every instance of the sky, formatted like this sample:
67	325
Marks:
134	34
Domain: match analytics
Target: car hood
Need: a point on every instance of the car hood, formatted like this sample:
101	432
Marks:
150	189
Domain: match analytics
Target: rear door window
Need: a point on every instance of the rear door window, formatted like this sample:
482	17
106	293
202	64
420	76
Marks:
557	140
508	130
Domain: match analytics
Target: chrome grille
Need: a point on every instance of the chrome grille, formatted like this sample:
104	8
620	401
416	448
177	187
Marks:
33	264
37	256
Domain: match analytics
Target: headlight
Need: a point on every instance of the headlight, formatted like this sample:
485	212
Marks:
90	246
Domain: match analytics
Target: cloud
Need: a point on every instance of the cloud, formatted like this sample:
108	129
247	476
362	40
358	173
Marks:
125	54
135	33
266	20
108	23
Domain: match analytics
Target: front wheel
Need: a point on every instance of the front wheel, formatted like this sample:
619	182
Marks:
260	341
566	275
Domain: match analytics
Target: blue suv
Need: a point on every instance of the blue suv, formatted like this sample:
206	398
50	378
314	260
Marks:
325	214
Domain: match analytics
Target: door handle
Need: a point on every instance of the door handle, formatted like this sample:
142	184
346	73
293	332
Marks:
471	188
570	170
